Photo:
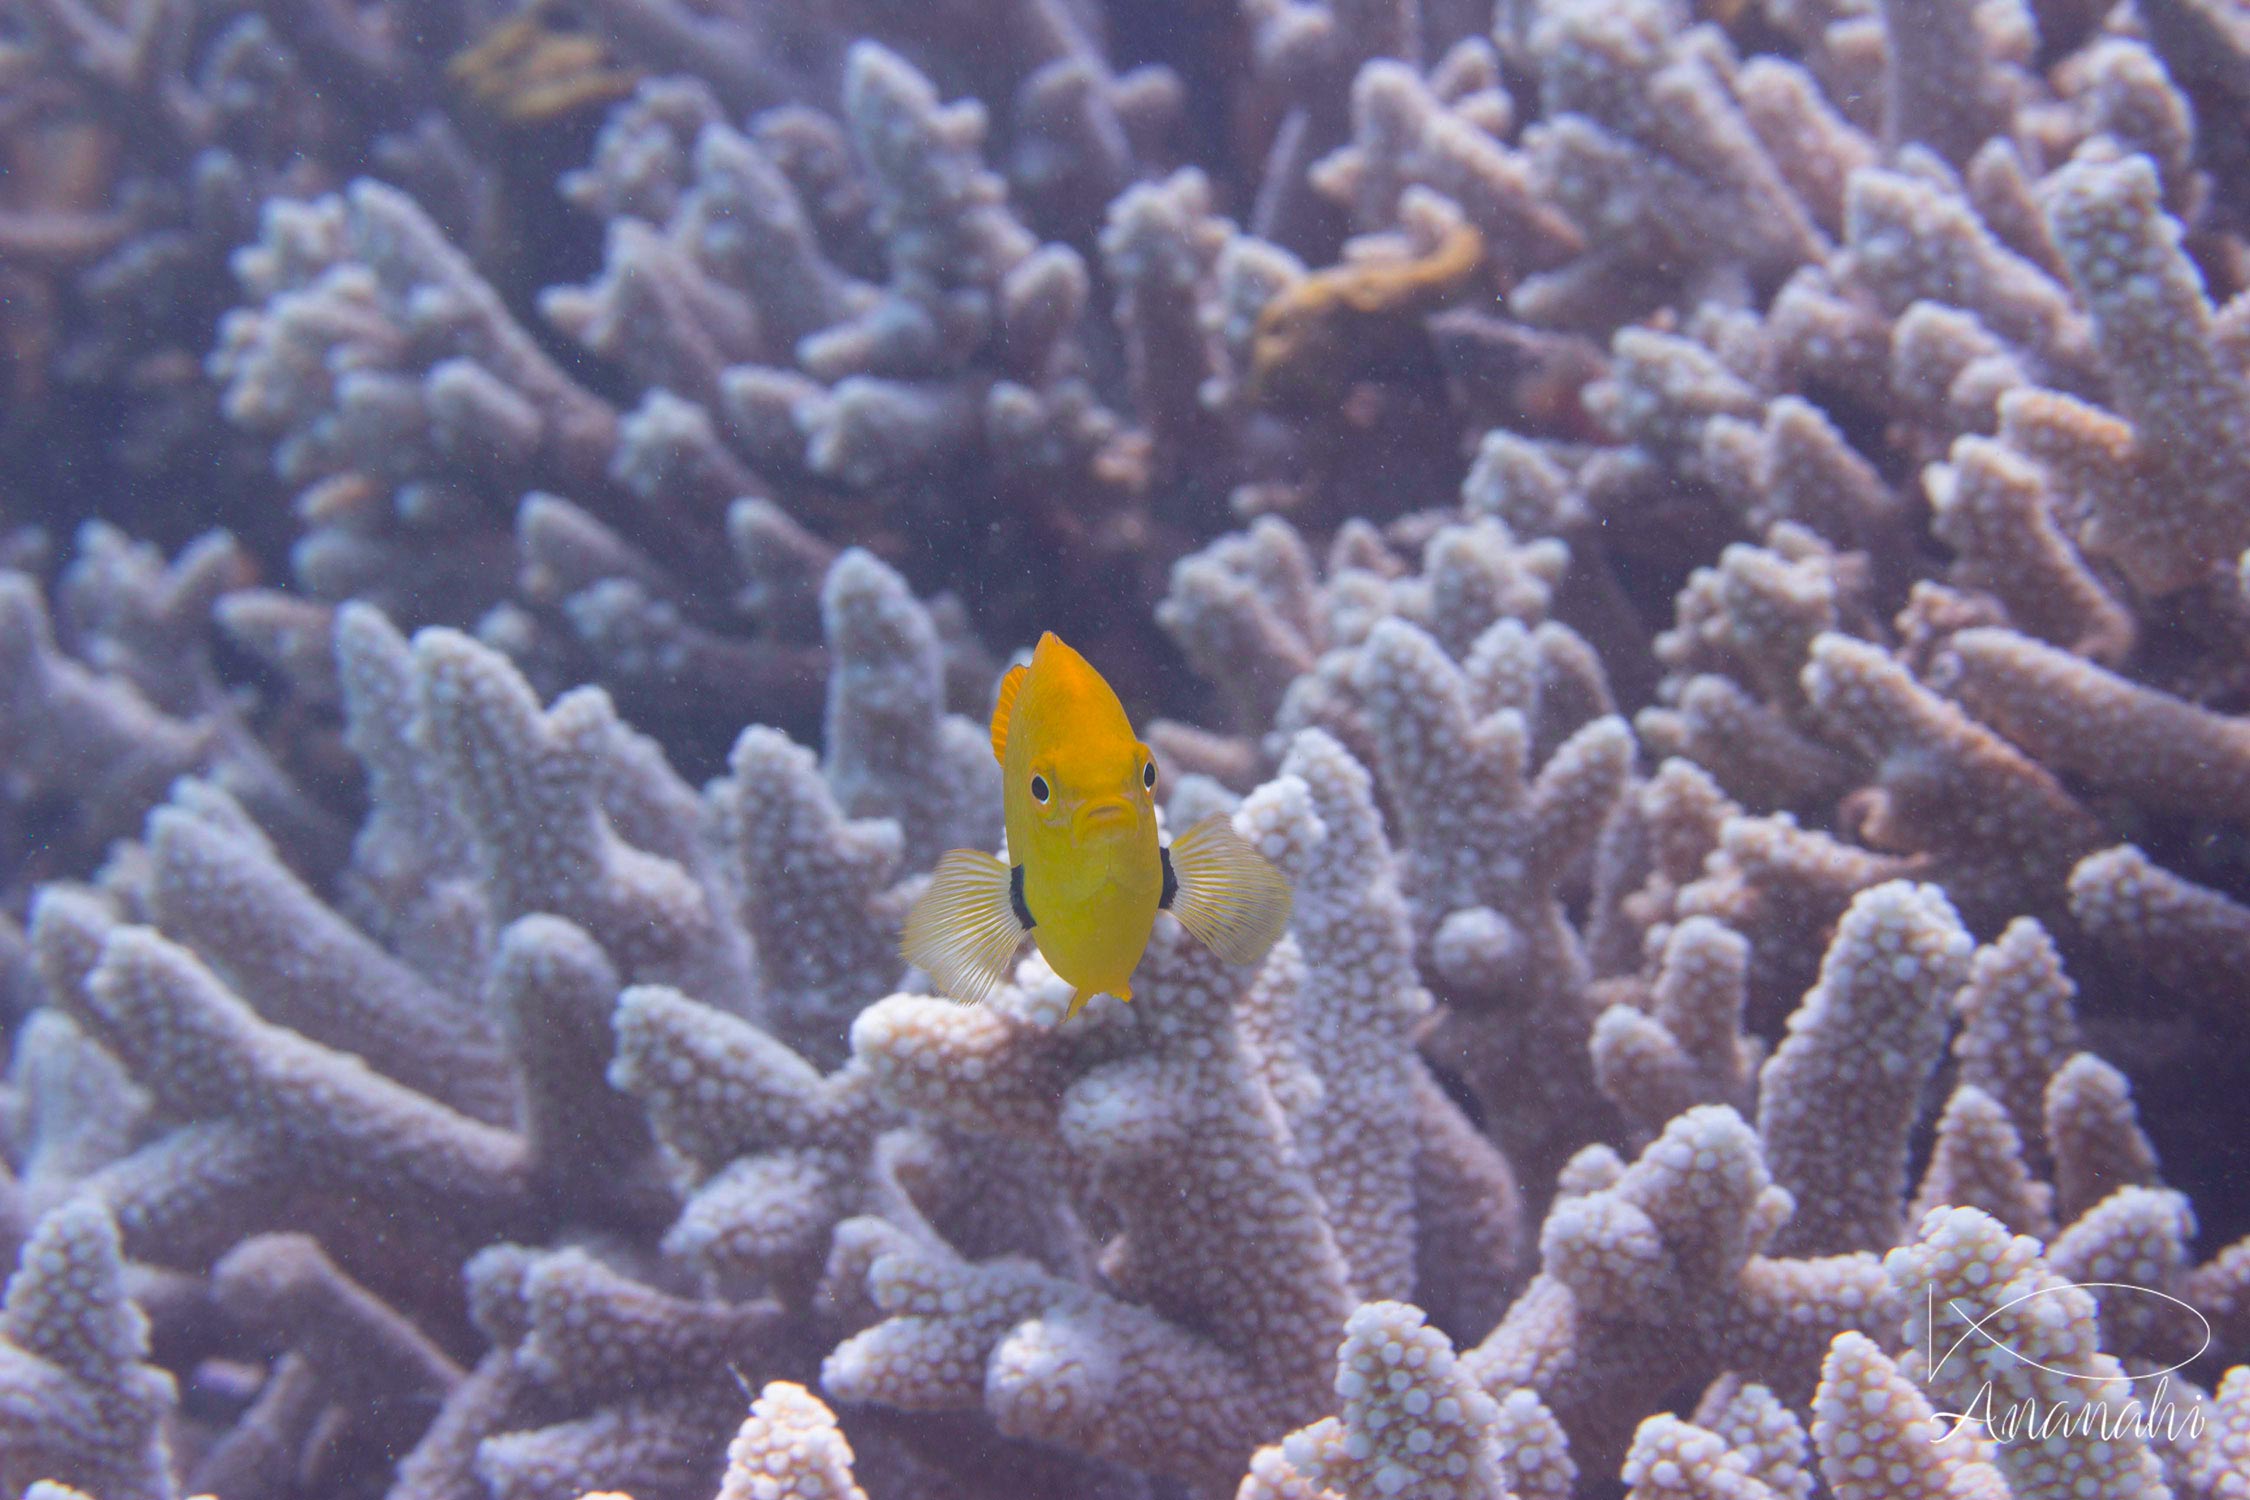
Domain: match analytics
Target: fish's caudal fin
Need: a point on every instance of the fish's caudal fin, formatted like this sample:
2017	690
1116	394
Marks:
1080	995
963	929
1227	893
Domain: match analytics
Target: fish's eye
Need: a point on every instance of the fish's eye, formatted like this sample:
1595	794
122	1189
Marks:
1039	790
1148	775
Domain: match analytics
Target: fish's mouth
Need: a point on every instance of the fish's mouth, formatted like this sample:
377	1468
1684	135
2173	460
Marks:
1108	812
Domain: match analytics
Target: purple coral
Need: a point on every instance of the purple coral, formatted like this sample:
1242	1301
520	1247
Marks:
1708	542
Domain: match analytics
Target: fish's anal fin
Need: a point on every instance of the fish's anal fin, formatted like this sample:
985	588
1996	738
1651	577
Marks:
1080	995
1226	893
1171	881
963	930
1003	709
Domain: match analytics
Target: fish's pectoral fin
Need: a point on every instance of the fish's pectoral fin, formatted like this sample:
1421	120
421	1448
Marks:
1226	893
1003	709
963	929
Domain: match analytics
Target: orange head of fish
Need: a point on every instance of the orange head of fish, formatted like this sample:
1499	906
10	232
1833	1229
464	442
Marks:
1075	770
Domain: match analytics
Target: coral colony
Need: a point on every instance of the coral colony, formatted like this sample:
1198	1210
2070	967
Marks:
1711	546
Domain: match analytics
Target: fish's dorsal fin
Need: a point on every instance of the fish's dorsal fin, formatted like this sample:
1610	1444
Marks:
1226	893
963	929
1003	710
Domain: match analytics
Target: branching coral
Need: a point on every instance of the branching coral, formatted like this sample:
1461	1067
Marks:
1261	1105
1413	1424
2040	1355
1736	640
82	1405
111	694
1869	1033
1237	1280
1665	1259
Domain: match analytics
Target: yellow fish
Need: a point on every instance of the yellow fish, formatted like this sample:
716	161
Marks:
1088	874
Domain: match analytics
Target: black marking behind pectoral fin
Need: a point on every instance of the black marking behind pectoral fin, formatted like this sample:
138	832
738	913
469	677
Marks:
1171	881
1015	899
